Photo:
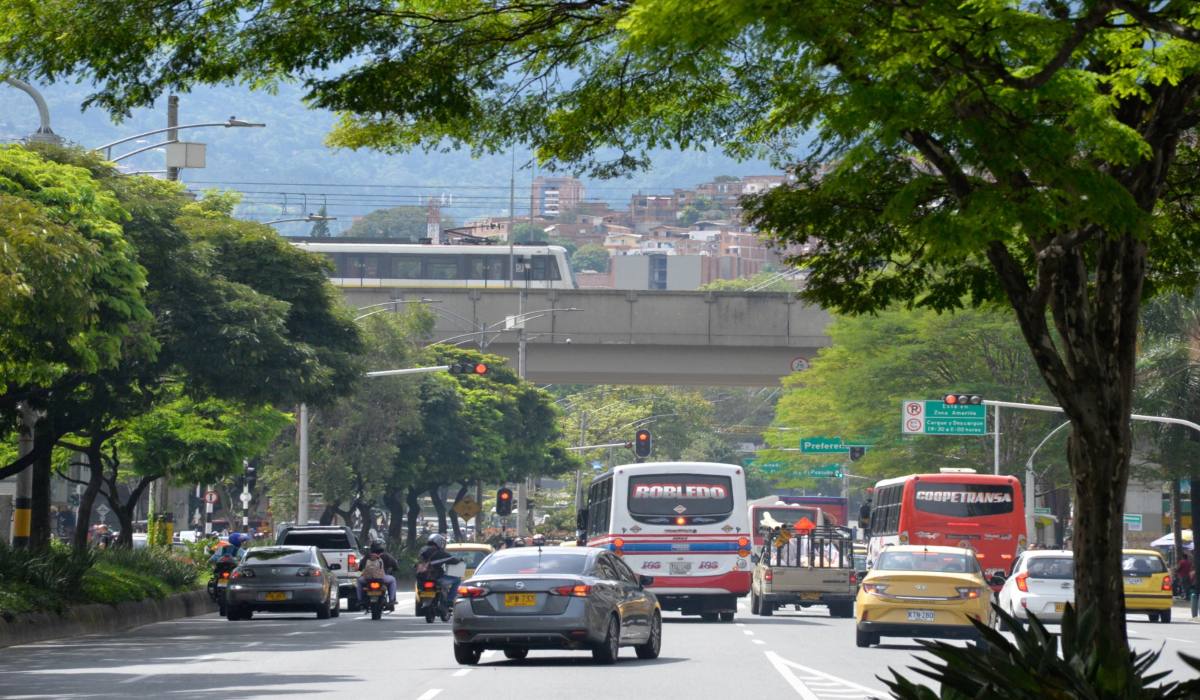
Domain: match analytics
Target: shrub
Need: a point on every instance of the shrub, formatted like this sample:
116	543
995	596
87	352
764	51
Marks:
1031	668
58	569
175	570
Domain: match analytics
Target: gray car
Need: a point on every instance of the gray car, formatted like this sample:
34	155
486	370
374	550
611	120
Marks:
282	579
555	598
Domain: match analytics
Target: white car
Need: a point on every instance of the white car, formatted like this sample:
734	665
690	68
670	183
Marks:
1042	583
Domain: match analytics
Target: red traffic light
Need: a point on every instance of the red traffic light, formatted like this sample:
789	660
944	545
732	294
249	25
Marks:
643	443
962	399
504	495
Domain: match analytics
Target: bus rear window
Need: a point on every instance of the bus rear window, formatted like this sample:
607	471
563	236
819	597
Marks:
697	497
964	500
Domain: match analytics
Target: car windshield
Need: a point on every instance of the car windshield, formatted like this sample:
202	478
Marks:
278	555
1051	567
1141	565
940	562
533	562
320	540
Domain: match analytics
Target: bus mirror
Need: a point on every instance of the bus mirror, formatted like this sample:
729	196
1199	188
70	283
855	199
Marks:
754	558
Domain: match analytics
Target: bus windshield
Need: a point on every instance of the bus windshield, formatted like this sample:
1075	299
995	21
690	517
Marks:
701	498
964	500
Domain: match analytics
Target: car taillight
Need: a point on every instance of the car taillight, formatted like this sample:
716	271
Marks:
1166	583
768	575
427	585
853	578
1023	583
309	571
375	585
242	573
351	562
874	588
471	592
968	593
579	591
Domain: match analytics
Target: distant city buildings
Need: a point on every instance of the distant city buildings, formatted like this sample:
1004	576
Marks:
553	195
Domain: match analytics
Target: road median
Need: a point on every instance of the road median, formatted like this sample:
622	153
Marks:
99	618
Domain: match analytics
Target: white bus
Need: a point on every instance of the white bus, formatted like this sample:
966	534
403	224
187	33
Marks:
683	523
360	262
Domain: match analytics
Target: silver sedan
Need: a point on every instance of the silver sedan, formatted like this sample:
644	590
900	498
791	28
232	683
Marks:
282	579
555	598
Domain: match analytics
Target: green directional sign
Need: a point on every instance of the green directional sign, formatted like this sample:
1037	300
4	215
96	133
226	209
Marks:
822	446
747	461
825	471
919	417
770	467
1041	511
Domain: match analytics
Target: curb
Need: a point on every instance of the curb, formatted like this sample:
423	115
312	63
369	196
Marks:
99	618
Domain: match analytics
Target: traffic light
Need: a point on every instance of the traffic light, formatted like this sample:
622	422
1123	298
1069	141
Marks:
479	369
962	399
857	452
643	443
504	501
251	476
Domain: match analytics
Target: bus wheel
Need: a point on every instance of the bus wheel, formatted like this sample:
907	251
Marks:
726	617
708	617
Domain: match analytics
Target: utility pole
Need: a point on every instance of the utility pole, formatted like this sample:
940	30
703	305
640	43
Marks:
579	470
172	135
23	500
302	496
512	203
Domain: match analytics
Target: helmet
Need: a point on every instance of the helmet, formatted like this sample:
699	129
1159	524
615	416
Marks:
237	539
539	539
437	538
377	547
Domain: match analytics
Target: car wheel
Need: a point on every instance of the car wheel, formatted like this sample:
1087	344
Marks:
708	617
864	639
653	644
1153	617
323	611
1164	616
607	651
516	653
466	654
726	617
766	608
232	614
755	604
337	608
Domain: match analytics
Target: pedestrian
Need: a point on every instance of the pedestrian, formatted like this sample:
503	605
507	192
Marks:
1183	575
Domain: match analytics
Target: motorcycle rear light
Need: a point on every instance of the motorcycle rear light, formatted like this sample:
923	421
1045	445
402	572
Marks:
1023	582
427	585
578	591
471	592
224	574
1166	583
242	573
375	585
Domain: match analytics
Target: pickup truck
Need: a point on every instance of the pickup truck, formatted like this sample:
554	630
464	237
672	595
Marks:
340	547
804	568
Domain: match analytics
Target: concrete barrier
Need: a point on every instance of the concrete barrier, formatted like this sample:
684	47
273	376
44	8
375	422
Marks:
100	618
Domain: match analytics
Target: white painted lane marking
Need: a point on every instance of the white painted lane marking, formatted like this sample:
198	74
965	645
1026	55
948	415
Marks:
430	694
135	679
1182	641
488	654
827	683
748	633
461	672
248	645
740	624
758	641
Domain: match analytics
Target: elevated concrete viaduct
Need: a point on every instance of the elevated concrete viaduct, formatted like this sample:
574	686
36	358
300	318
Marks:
630	337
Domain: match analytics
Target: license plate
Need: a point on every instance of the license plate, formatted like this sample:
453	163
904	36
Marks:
520	600
374	592
222	583
920	616
275	595
810	595
1060	607
1133	581
680	567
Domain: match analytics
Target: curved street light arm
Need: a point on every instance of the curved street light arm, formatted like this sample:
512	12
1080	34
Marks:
143	150
231	122
43	111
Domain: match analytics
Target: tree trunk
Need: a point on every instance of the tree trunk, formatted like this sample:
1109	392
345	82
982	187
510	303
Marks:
458	535
1100	469
40	526
414	512
439	505
328	514
364	515
87	500
394	500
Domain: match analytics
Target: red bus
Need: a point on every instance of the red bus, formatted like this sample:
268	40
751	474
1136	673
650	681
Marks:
954	508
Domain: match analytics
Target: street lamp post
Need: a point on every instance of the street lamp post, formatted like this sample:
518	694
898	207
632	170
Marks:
1031	485
312	218
44	133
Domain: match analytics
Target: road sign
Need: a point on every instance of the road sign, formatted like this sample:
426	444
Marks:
210	497
770	467
825	471
467	508
938	418
1041	511
1133	521
102	511
799	364
822	446
245	498
747	461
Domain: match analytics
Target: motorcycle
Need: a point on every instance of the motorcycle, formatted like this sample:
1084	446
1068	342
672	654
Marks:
219	581
433	600
376	591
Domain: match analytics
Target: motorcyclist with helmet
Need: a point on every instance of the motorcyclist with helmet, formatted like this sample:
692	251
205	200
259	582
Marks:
435	557
539	540
231	548
389	566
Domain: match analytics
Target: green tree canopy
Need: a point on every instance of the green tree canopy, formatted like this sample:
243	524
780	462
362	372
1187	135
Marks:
590	257
407	224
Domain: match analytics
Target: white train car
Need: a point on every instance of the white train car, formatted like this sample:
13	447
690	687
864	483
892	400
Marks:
381	263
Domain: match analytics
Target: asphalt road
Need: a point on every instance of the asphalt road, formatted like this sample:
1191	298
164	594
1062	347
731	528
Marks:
805	655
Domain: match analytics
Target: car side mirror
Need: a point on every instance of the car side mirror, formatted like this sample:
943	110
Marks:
860	575
334	567
645	581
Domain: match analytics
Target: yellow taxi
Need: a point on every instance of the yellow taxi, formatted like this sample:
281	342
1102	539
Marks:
471	554
1147	584
919	591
